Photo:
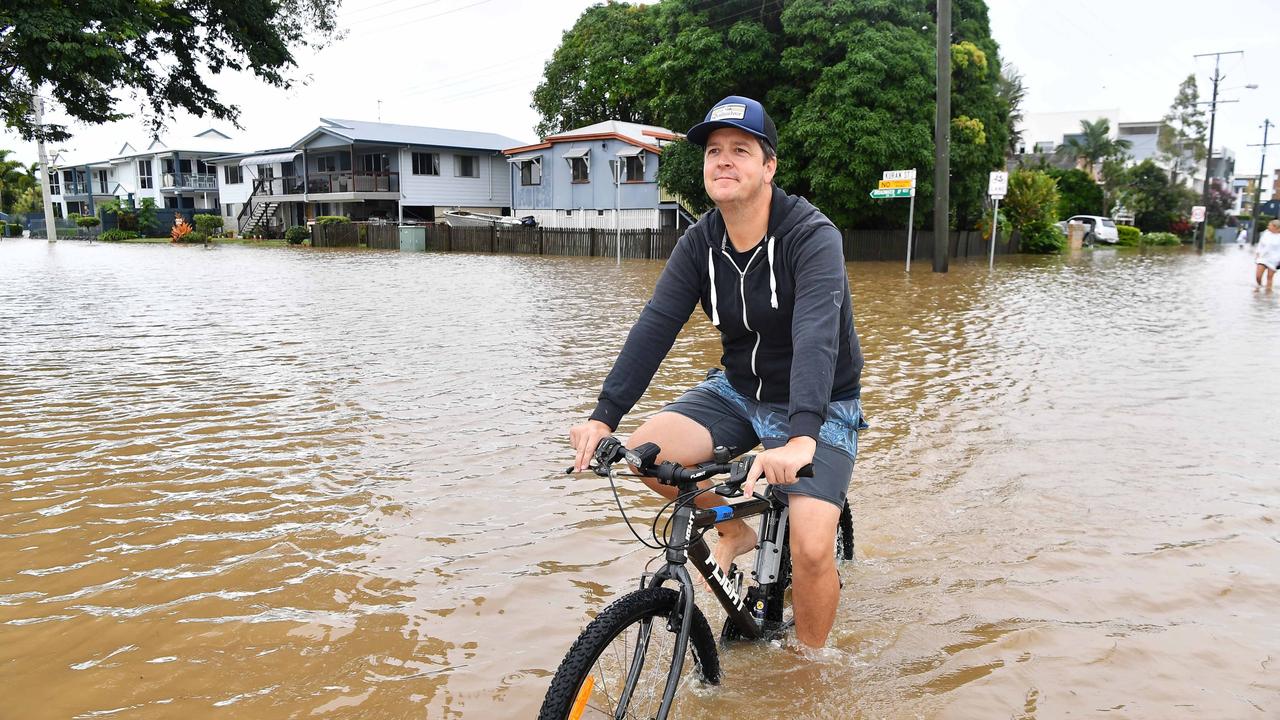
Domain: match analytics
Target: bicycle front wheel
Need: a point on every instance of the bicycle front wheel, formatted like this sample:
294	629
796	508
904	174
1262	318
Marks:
618	666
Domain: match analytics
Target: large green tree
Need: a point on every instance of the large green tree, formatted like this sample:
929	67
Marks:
1078	194
16	179
596	73
850	84
1154	199
1181	141
85	56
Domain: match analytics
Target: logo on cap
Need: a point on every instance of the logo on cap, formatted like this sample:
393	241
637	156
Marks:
732	111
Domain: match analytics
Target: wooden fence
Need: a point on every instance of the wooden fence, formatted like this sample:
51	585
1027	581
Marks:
377	236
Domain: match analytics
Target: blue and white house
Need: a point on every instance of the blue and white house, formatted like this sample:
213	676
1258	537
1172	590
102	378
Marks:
599	176
366	171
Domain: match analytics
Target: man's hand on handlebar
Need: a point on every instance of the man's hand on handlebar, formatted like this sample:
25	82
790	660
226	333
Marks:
584	438
780	465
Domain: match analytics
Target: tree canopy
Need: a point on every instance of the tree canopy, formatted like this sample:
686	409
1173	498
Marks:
849	83
1094	144
85	56
1181	141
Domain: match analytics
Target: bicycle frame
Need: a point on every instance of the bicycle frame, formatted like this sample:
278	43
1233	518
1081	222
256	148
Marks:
725	587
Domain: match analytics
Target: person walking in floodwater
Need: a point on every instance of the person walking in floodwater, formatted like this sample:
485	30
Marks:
768	269
1268	253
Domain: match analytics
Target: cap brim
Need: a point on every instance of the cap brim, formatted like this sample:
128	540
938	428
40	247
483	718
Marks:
699	133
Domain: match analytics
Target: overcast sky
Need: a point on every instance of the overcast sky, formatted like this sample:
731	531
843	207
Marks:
473	64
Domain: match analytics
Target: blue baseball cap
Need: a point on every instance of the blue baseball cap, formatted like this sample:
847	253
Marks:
737	112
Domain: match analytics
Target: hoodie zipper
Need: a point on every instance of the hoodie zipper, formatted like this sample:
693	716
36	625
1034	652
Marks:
742	294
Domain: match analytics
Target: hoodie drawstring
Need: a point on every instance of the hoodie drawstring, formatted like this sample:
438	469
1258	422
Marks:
711	269
773	281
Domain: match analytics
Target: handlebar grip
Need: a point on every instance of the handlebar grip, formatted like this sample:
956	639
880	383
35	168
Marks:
806	471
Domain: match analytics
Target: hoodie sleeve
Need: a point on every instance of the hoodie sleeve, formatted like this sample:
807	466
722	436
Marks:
821	291
676	295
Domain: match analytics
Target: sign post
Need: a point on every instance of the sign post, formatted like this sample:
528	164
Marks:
898	184
1197	217
997	188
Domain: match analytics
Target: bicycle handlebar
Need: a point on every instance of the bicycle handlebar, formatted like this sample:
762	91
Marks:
611	450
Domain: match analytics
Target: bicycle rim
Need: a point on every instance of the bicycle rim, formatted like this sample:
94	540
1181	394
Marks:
630	647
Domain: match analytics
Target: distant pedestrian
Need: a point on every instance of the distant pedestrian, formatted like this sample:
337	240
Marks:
1243	236
1268	253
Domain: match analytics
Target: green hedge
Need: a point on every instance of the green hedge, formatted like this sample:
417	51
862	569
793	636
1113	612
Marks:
1040	236
297	234
116	235
1130	236
332	219
1161	238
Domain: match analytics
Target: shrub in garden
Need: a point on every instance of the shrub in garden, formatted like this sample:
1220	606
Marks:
1161	238
88	223
1181	227
210	225
1040	236
195	236
297	234
116	235
1130	236
148	223
180	229
332	219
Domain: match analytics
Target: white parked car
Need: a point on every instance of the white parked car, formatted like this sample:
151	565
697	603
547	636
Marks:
1097	229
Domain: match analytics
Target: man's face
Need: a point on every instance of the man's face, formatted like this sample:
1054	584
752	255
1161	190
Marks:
734	169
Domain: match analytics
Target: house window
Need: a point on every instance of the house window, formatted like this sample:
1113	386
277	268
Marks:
57	211
55	188
266	172
145	179
467	166
531	172
633	168
327	163
375	162
184	164
232	175
75	208
171	202
202	168
581	169
426	163
102	182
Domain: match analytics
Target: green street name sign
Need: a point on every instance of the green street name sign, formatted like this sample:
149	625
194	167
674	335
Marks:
892	193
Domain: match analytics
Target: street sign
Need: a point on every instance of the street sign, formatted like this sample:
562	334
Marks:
893	193
998	185
1197	213
900	174
887	184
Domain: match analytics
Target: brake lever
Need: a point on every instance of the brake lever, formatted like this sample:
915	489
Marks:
738	470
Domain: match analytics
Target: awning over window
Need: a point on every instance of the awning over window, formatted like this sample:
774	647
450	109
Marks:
577	153
630	151
271	159
523	158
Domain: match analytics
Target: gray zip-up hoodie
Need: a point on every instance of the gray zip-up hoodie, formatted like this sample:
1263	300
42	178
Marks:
785	319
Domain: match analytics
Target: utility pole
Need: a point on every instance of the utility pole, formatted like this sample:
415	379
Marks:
1208	159
941	144
50	229
1257	188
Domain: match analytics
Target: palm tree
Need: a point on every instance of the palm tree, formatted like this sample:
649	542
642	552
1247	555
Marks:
1011	91
12	173
1093	145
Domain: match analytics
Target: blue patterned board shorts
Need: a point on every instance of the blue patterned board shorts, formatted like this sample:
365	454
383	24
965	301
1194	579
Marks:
739	423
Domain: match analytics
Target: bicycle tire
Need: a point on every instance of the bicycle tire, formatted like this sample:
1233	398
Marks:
843	551
844	535
584	659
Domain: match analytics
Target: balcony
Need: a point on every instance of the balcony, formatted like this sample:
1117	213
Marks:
71	189
353	182
190	181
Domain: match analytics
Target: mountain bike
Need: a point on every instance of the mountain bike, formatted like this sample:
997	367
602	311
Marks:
629	662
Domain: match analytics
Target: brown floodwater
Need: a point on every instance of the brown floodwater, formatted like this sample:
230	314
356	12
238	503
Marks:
250	483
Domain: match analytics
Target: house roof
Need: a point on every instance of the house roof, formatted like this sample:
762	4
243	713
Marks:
648	137
363	131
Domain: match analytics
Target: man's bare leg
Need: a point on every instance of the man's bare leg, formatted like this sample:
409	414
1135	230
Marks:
815	583
686	442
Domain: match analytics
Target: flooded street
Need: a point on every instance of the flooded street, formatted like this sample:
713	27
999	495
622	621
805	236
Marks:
252	483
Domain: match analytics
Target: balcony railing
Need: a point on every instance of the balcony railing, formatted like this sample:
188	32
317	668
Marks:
358	181
76	188
193	181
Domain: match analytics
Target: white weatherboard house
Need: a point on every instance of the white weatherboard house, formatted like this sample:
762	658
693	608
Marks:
171	171
568	180
366	171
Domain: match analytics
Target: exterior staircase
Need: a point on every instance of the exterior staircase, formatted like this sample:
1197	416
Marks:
258	212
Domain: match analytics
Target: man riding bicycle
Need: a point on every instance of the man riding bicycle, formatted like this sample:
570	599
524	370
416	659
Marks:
768	269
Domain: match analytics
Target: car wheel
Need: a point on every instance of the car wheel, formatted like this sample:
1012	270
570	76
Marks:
1089	239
